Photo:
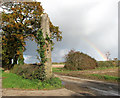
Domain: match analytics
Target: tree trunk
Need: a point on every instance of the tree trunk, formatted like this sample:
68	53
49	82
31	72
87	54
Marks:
10	63
15	59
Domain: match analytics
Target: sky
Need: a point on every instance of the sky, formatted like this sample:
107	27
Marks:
88	26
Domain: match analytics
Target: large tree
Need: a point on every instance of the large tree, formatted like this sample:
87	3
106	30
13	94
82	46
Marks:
21	20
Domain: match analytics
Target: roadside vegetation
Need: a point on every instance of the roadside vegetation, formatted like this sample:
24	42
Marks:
11	80
65	70
106	77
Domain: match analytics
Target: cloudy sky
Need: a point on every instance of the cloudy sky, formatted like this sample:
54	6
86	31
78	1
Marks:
88	26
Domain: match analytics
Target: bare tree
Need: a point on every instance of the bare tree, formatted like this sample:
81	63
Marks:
108	55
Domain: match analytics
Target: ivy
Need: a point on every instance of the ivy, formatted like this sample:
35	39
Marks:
41	51
42	46
48	39
41	41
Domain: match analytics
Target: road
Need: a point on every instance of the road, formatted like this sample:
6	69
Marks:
88	87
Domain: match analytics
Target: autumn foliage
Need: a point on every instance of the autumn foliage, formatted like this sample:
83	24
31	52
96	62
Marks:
21	21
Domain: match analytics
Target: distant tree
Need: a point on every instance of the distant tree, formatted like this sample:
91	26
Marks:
108	55
115	59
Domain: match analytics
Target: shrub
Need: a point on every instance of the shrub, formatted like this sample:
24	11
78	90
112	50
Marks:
107	63
79	61
29	71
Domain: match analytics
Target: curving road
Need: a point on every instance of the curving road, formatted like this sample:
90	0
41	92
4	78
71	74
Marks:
88	87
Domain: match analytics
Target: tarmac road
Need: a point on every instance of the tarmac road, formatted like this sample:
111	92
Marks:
88	87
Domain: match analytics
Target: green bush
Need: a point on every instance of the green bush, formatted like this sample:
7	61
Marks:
79	61
107	63
29	71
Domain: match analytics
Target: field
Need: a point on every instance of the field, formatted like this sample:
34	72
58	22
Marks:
108	74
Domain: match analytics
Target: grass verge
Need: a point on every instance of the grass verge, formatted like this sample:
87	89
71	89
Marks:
63	70
106	77
11	80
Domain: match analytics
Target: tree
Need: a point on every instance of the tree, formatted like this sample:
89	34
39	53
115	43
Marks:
21	20
115	59
108	55
76	60
10	50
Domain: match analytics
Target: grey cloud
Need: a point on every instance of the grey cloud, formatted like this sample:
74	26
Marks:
94	20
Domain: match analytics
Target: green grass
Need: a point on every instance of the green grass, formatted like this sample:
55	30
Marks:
57	69
106	77
63	70
1	72
11	80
